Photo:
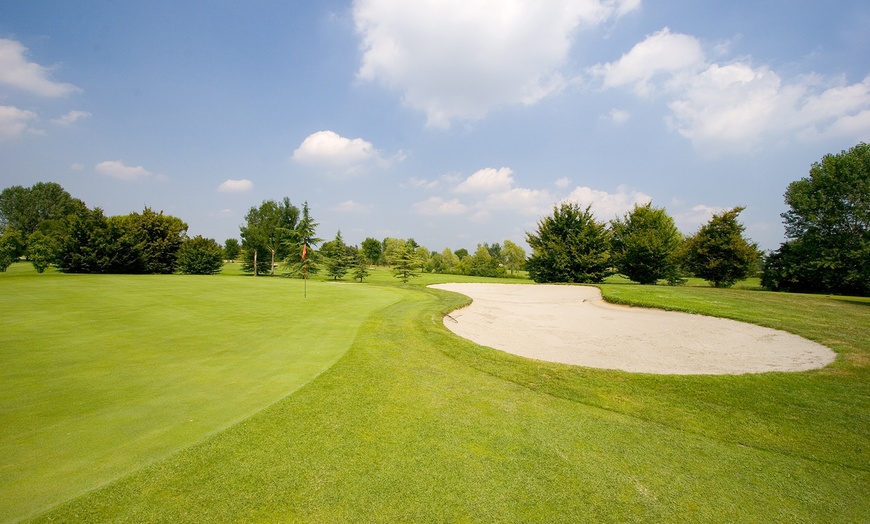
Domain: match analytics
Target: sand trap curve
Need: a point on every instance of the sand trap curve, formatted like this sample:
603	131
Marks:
573	325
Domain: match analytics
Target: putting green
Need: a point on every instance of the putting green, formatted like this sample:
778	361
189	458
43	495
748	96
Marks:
100	375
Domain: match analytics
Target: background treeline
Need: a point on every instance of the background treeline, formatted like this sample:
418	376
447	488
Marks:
827	249
48	226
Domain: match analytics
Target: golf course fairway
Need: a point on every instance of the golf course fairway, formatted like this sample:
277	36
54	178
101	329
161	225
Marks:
103	374
415	424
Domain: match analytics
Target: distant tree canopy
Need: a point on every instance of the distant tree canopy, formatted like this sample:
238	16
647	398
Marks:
719	253
135	243
200	256
232	248
828	229
569	246
268	235
338	257
644	245
25	209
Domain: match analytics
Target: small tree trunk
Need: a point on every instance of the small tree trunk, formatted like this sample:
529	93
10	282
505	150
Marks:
255	262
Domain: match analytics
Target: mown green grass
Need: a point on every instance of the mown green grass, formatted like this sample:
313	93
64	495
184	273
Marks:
413	424
104	374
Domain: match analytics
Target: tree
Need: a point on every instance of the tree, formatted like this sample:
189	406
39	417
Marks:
267	235
719	253
371	249
155	238
449	261
41	250
338	259
644	245
11	247
92	244
514	257
827	228
24	209
405	264
200	256
391	248
361	269
302	257
231	249
569	246
461	253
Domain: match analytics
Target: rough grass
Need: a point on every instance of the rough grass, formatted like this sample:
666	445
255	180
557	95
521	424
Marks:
413	424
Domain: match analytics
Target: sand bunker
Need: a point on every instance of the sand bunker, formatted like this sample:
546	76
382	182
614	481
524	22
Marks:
573	325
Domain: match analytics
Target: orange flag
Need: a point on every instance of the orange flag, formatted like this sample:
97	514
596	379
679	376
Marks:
304	251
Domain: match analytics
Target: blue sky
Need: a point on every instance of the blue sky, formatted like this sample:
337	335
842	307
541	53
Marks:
455	122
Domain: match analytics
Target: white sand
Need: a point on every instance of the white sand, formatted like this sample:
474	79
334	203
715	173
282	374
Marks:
573	325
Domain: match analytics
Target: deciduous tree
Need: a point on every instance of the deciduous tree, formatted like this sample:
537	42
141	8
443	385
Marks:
200	256
267	235
828	229
514	257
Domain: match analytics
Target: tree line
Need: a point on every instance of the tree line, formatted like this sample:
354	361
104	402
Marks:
49	227
827	248
276	233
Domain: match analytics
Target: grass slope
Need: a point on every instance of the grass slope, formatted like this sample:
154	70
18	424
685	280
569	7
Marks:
415	424
104	374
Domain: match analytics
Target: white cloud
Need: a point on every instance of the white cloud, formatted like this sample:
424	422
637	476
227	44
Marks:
563	182
17	72
440	206
619	116
336	154
487	180
77	166
235	186
606	206
71	118
349	206
732	106
691	220
117	169
661	53
519	200
15	122
459	59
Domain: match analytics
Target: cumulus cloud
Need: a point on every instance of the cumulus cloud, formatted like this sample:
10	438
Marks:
487	180
235	186
117	169
71	118
15	122
440	206
663	53
459	59
337	155
607	205
731	106
486	191
349	206
17	72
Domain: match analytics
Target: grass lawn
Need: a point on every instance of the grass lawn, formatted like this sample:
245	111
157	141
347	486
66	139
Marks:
414	424
102	375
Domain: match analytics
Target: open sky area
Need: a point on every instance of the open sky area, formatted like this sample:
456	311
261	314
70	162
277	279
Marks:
454	122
